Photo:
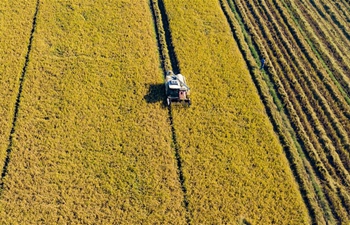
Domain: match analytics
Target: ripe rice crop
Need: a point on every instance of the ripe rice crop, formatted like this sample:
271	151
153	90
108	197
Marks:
86	136
92	144
15	26
307	74
234	167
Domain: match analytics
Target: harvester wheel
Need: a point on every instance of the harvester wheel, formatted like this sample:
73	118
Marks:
168	101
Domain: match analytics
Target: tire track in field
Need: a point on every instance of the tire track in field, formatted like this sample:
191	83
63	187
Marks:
169	61
18	99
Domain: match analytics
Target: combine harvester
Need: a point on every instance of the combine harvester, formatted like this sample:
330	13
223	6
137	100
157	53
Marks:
176	89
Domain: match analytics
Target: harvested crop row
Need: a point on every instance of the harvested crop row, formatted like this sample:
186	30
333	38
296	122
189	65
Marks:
16	19
321	18
309	83
329	98
299	166
343	8
326	42
323	111
333	15
279	86
306	87
329	47
343	157
321	79
255	15
328	28
338	125
92	141
314	200
232	172
290	89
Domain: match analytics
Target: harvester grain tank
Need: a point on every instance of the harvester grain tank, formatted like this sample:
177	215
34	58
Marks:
176	88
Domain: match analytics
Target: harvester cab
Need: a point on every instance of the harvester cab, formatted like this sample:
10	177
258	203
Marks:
176	88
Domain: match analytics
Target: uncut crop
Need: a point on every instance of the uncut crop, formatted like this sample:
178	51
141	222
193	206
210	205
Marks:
15	26
92	142
85	136
234	167
306	47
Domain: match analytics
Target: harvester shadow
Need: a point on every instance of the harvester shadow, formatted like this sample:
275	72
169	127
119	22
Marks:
156	93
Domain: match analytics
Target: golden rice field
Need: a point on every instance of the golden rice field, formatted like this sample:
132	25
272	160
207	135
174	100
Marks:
308	76
86	136
15	26
234	167
88	148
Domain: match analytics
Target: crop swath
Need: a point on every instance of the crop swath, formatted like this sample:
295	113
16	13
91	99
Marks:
86	137
308	72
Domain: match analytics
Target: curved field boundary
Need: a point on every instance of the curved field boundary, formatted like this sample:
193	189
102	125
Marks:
18	99
169	62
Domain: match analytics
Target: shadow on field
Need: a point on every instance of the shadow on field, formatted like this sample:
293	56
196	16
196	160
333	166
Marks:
156	93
